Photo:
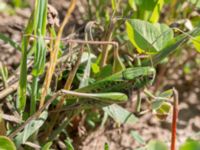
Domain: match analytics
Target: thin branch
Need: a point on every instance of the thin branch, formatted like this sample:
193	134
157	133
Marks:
11	118
79	41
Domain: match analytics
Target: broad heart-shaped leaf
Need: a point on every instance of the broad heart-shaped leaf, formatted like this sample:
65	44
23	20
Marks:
147	37
30	128
6	143
156	145
120	115
190	145
171	47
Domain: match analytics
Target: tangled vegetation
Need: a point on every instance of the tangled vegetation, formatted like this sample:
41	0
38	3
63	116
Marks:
85	77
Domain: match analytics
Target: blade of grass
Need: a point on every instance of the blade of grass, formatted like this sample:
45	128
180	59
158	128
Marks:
10	41
21	102
39	49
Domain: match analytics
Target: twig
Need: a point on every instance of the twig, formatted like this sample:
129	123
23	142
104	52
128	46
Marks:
11	118
174	119
33	145
11	89
79	41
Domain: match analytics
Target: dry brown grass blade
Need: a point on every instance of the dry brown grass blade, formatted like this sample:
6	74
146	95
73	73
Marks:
66	87
54	54
2	124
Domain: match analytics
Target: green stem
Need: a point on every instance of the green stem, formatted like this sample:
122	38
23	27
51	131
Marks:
34	95
23	76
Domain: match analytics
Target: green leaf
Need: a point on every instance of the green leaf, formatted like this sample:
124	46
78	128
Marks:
40	30
120	115
30	128
118	64
39	48
95	68
17	3
196	42
114	5
163	110
166	94
105	72
21	99
6	143
147	37
171	47
190	145
10	41
40	57
132	4
157	103
47	146
69	144
195	2
156	11
106	146
149	10
156	145
137	137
